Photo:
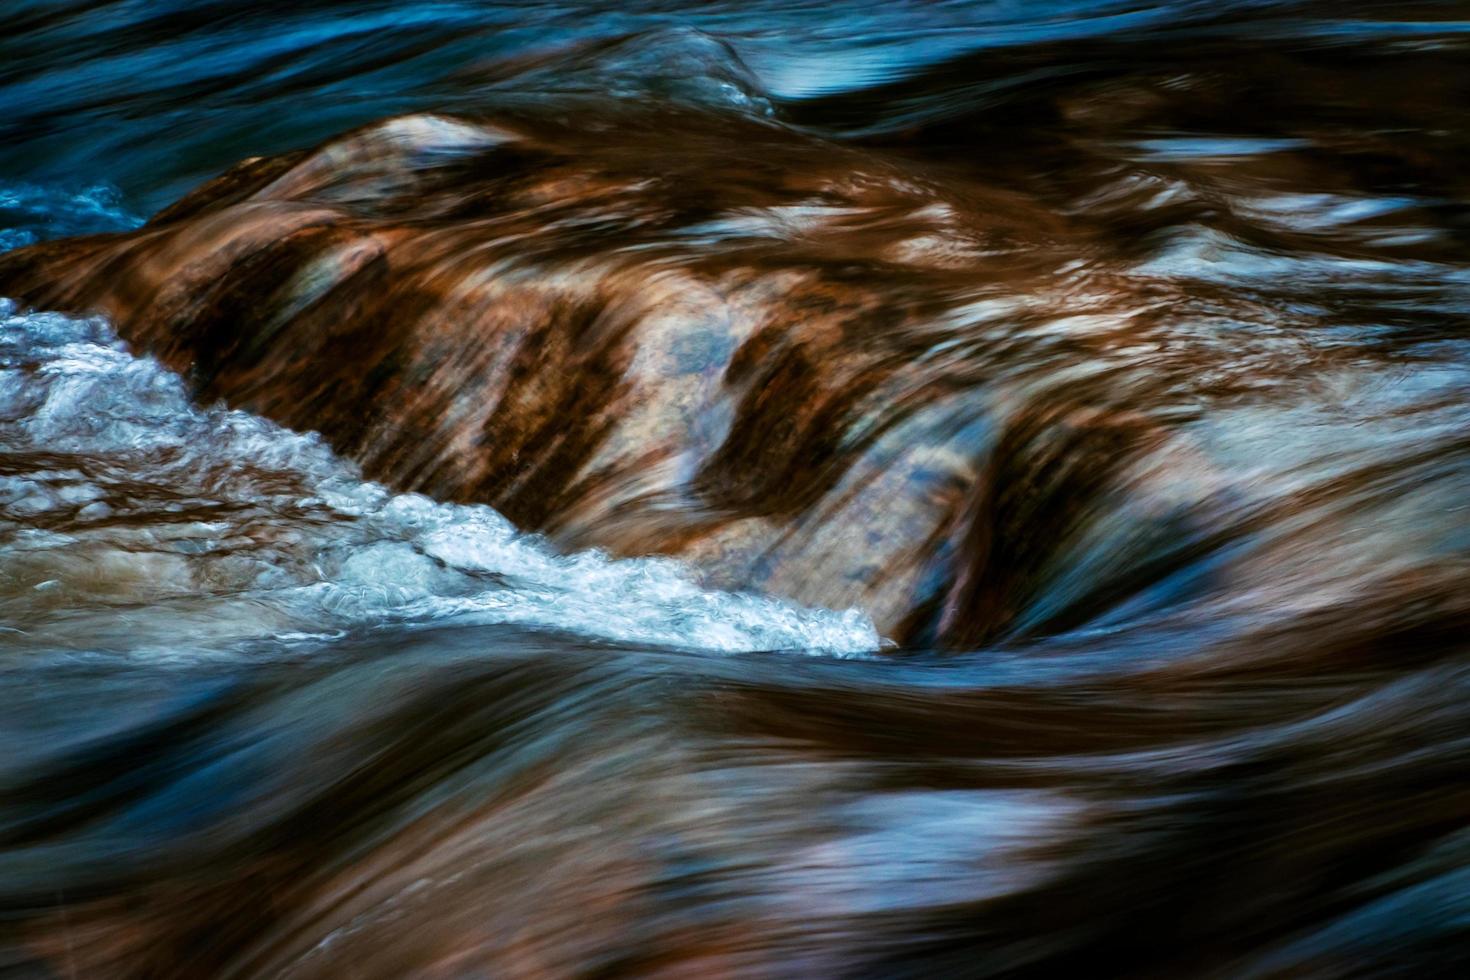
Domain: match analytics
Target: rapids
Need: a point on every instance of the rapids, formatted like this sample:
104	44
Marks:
702	489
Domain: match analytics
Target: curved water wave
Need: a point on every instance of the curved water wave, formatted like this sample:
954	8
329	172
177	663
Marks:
830	373
125	511
1289	801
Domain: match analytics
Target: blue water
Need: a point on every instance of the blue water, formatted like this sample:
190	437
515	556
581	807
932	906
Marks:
153	96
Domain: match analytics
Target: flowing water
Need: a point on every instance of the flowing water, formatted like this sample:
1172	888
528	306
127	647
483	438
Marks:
763	489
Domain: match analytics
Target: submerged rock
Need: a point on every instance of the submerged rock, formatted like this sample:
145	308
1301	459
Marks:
818	371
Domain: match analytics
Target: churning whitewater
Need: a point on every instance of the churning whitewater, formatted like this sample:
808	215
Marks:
125	510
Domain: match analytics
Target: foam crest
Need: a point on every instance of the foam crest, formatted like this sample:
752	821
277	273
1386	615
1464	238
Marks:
118	493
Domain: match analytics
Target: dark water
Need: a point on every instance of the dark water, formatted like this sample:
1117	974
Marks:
1025	531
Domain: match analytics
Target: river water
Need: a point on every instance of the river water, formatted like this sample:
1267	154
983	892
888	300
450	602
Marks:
1050	558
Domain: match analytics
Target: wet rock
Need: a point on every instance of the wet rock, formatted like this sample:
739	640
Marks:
805	369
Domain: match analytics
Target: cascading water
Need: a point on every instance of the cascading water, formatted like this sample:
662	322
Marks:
701	489
120	495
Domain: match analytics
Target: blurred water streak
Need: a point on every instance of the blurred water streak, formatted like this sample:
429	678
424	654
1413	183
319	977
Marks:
1109	356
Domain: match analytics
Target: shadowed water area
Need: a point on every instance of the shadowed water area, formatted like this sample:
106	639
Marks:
761	490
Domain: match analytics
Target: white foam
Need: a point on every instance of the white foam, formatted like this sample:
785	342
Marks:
122	493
